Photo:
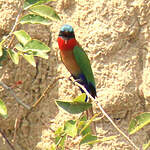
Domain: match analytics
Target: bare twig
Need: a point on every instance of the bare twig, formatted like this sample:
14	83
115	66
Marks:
15	25
105	114
14	95
17	122
15	127
60	140
3	135
8	37
45	91
89	122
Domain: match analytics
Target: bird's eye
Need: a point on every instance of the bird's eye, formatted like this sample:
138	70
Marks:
66	34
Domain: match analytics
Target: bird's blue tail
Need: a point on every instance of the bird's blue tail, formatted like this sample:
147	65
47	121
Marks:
88	86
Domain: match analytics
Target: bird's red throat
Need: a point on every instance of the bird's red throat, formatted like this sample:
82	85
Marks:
66	45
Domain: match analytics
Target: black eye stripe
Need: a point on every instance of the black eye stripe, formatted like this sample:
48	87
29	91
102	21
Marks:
67	34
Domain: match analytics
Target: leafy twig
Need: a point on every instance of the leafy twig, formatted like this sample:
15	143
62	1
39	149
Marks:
14	95
104	113
3	135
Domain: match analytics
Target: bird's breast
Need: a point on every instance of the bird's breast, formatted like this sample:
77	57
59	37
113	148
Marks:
65	44
70	62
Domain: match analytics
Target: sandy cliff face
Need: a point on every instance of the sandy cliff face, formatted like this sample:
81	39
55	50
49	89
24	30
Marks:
116	36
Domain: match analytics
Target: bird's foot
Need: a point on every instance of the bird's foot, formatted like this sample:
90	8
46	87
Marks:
70	78
78	80
74	80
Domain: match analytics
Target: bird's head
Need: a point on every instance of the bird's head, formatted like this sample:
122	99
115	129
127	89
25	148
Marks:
66	32
66	39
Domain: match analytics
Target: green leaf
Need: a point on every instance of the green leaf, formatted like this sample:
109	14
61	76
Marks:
103	139
41	54
74	107
53	147
59	131
82	123
70	128
60	141
45	11
1	47
3	109
88	138
60	137
30	59
32	18
146	146
36	45
139	122
4	57
30	3
13	55
80	98
88	123
22	36
1	50
20	47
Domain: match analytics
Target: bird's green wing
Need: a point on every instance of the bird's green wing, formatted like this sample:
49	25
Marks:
84	64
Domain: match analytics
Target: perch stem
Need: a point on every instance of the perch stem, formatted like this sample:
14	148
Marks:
105	114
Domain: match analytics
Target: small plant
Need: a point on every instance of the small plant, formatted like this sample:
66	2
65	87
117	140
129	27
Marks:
138	123
36	13
79	127
76	128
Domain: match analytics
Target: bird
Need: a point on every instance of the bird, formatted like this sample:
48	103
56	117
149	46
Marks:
76	61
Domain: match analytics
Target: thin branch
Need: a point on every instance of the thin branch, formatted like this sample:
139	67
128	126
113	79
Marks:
3	135
104	113
17	122
45	91
14	95
15	25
